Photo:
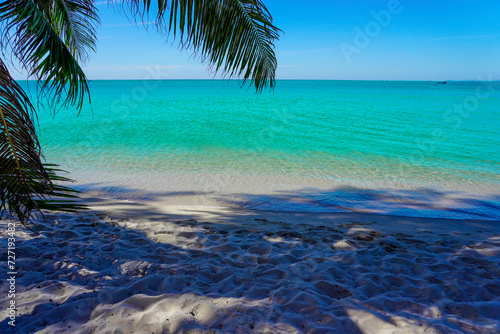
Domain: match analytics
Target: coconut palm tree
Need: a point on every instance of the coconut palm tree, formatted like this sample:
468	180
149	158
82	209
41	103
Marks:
51	39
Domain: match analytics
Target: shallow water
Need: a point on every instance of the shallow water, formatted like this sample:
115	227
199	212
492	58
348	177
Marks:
410	148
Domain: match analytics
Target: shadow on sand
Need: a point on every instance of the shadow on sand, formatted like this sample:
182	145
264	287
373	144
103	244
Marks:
144	267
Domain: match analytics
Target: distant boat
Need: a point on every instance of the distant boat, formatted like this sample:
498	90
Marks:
441	82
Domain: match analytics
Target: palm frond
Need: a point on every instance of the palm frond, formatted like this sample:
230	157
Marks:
20	163
50	38
76	21
236	37
26	184
57	197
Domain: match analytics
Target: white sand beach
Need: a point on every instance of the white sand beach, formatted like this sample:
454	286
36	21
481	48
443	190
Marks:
126	267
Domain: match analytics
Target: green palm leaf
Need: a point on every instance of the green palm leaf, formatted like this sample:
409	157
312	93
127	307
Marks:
26	184
56	197
20	163
235	37
50	38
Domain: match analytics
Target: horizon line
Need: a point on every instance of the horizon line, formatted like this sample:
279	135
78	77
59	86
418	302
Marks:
391	80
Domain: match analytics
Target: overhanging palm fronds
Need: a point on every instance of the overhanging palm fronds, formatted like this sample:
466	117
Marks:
20	163
234	36
26	184
50	38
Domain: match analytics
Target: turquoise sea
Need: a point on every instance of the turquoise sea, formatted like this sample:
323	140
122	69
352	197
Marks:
403	148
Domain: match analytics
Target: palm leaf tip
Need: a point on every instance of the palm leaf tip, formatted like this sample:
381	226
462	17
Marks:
235	37
58	197
50	38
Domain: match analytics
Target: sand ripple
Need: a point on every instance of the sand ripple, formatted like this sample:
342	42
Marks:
85	274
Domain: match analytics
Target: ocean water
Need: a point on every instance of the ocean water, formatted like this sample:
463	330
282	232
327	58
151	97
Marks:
403	148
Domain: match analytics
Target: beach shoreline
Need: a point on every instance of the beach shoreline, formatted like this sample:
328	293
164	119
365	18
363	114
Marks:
148	267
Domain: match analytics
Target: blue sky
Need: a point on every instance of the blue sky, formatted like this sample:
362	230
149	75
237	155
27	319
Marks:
329	39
